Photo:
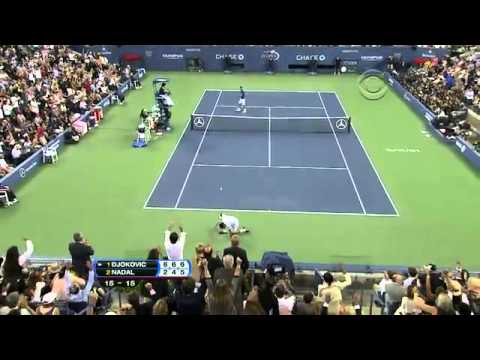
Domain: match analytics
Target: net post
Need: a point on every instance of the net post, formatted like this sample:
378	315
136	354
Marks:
349	124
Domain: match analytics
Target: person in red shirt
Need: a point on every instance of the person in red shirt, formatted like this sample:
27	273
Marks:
41	135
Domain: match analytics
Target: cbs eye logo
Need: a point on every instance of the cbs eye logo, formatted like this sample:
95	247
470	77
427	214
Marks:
372	85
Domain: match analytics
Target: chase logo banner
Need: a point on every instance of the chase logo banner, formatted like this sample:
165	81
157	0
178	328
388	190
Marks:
319	57
234	57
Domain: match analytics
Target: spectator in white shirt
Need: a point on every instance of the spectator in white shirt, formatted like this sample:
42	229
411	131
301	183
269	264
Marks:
77	294
174	243
412	276
17	154
286	301
469	96
230	224
4	167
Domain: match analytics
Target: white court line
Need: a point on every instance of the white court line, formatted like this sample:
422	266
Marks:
369	159
269	137
173	152
272	211
273	107
271	167
274	91
196	153
344	159
273	117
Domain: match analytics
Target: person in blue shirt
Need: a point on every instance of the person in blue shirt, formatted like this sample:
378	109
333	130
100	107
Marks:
242	104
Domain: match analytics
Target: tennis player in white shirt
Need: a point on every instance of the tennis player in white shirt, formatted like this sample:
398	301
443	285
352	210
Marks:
175	242
230	224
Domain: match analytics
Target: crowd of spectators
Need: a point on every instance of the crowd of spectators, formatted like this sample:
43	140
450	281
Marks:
221	284
429	291
44	90
448	87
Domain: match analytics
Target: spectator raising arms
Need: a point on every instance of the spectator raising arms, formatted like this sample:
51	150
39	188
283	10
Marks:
80	250
14	264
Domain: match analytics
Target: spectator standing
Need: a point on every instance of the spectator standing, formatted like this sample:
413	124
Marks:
285	300
13	265
80	250
237	252
156	288
266	297
188	300
394	292
213	262
221	294
78	294
412	276
252	305
306	307
333	288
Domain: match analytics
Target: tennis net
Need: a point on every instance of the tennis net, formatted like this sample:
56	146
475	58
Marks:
273	124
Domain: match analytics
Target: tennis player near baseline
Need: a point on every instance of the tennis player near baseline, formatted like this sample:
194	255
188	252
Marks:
242	103
230	224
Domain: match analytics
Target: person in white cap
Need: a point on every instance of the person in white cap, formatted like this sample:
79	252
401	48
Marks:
230	224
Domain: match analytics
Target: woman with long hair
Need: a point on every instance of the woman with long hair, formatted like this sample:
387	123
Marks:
12	266
221	295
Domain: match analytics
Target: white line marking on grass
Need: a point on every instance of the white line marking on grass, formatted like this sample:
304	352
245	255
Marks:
272	107
274	91
271	167
370	160
274	211
269	137
343	156
196	153
171	154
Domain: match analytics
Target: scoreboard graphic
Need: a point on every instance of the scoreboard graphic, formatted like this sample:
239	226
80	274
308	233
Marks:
118	272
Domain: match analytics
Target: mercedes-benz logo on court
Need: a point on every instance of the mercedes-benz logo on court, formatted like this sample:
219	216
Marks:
22	172
198	122
341	124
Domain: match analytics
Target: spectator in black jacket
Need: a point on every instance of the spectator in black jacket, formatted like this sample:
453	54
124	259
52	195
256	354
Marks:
266	297
80	250
237	252
188	300
213	262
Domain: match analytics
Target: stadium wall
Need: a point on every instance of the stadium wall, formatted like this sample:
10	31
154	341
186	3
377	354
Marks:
175	57
27	168
466	149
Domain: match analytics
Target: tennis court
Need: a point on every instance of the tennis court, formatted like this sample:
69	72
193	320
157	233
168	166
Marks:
293	151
